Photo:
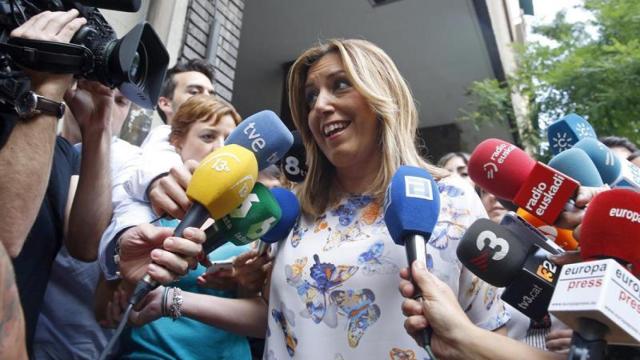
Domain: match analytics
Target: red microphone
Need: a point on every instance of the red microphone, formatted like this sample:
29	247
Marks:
509	173
611	228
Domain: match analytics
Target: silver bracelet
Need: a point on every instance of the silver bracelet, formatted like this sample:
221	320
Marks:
175	309
163	304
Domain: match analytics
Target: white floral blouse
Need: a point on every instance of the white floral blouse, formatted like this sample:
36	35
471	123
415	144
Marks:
334	287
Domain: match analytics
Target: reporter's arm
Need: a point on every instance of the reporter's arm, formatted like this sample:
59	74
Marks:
27	156
26	161
247	317
91	212
12	328
454	335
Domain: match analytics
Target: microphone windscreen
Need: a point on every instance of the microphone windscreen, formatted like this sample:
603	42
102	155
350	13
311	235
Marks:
257	214
562	237
565	132
611	227
290	208
265	135
492	252
294	163
499	167
411	204
603	158
223	179
576	164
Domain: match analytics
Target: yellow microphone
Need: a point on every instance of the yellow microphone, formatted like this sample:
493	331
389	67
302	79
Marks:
218	186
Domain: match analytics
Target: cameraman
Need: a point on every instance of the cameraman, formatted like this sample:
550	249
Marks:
27	155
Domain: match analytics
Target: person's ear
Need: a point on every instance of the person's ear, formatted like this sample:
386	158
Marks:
165	104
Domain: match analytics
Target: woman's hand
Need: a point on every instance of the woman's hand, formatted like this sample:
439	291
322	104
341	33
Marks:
168	194
150	308
439	310
248	273
251	270
559	340
116	307
146	249
222	279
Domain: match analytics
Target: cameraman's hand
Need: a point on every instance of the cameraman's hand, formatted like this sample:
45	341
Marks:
168	194
172	256
91	104
50	26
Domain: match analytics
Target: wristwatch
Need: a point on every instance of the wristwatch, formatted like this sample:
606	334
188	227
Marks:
30	104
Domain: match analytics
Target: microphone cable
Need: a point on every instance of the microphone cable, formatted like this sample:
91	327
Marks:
116	335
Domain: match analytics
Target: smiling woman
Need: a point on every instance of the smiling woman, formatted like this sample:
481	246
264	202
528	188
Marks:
333	285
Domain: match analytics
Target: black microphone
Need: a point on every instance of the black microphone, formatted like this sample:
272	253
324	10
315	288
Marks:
294	163
501	258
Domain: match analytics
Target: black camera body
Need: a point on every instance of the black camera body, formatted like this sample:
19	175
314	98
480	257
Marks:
135	63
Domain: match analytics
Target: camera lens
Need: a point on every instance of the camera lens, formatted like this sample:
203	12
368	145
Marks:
139	65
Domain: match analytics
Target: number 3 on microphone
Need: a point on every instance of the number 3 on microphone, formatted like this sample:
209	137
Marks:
494	242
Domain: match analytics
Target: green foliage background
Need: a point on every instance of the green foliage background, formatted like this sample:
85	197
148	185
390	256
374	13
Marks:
596	75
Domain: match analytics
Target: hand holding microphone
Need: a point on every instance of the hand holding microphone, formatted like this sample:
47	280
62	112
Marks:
438	310
412	206
263	134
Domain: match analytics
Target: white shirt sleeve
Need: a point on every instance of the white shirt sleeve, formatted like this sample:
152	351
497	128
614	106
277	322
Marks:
125	158
158	157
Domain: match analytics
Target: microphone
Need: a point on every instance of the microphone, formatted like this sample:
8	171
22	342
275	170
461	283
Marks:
290	207
257	214
615	171
565	132
509	173
562	237
265	135
601	299
528	233
607	163
294	163
577	164
411	209
612	216
221	182
499	257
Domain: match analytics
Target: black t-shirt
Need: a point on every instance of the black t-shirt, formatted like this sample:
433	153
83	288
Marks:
33	264
7	123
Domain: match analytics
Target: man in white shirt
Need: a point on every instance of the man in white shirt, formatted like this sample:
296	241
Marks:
158	156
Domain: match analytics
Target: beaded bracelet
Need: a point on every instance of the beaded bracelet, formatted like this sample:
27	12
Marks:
175	309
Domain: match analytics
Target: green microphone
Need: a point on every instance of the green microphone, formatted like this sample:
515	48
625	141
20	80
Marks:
257	214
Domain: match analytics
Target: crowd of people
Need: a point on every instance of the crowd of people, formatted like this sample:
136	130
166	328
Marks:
87	216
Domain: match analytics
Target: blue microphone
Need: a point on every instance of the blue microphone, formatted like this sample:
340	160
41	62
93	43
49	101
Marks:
265	135
576	163
290	212
603	158
615	171
411	209
565	132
